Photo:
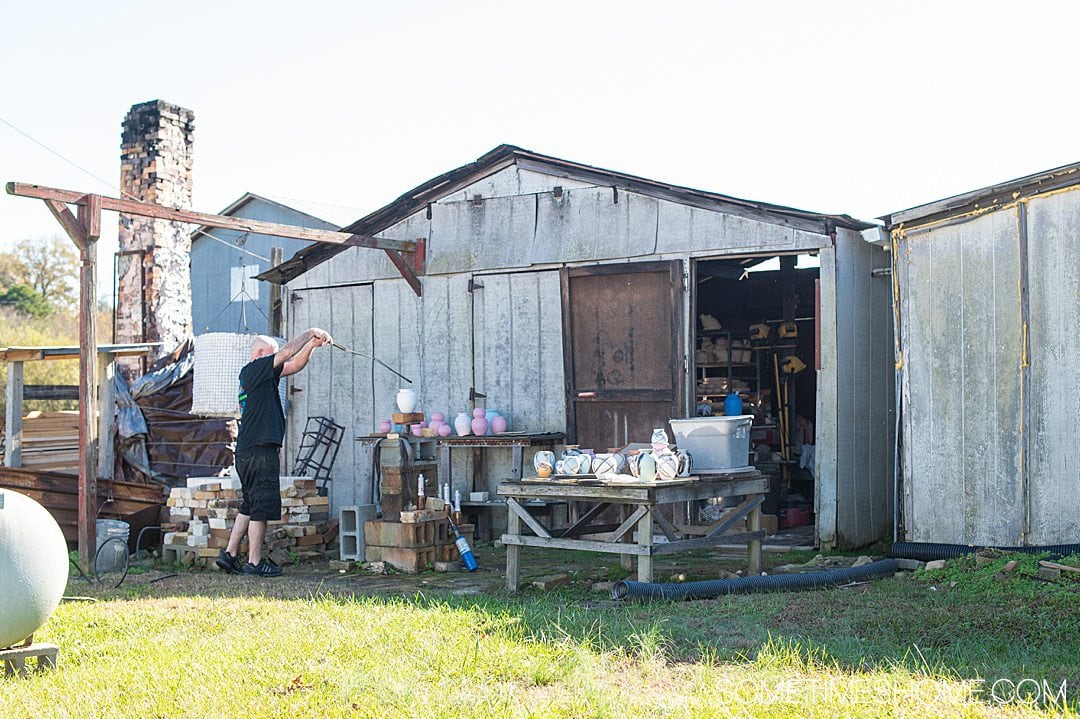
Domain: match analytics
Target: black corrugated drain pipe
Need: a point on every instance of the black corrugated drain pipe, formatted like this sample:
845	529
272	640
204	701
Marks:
745	585
929	551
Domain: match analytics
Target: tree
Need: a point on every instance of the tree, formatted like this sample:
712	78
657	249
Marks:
24	299
51	268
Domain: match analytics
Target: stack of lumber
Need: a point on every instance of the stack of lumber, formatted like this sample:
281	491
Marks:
203	513
412	547
51	441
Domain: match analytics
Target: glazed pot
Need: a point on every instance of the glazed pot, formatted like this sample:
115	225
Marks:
462	424
490	415
577	464
609	463
667	465
498	424
641	467
686	463
385	426
406	400
544	461
659	440
443	430
479	424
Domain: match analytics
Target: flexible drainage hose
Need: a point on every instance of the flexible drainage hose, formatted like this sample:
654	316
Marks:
719	587
929	551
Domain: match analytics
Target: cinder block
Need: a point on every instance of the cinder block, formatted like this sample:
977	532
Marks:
410	561
397	534
351	528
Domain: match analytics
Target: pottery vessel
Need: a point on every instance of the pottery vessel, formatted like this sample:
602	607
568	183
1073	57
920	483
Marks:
667	465
438	417
498	424
646	466
577	464
416	429
686	463
462	424
490	415
479	424
406	400
544	461
479	413
609	463
659	440
443	430
385	426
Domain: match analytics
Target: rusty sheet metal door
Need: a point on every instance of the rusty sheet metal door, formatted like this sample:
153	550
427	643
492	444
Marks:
624	364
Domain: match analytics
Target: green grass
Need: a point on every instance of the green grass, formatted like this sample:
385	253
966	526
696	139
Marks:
921	646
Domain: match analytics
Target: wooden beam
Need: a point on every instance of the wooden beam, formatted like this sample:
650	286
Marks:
406	269
147	209
88	388
13	421
51	391
93	216
67	220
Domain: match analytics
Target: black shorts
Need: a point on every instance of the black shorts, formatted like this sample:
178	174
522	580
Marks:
259	468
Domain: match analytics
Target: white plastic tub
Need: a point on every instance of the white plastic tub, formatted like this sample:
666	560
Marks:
715	442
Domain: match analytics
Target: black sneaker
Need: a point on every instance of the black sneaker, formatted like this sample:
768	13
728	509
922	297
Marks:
228	563
262	569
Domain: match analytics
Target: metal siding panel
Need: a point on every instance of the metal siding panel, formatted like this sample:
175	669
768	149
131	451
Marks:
1054	271
962	354
587	224
691	229
548	344
847	491
827	430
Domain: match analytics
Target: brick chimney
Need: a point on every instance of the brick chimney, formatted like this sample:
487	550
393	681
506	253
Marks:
153	301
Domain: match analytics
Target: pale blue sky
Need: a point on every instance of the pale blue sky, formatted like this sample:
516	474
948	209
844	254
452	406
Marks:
856	107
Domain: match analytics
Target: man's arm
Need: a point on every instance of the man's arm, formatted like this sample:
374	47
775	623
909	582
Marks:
300	359
294	346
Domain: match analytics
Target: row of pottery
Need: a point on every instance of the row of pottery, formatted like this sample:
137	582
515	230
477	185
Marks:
645	465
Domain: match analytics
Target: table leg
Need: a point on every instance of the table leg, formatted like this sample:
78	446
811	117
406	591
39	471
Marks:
753	548
513	553
626	561
644	561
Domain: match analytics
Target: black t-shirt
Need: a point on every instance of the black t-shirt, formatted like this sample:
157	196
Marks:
261	420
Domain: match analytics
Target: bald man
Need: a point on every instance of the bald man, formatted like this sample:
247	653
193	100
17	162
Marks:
262	429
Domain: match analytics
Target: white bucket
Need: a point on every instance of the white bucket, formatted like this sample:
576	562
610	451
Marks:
111	556
715	442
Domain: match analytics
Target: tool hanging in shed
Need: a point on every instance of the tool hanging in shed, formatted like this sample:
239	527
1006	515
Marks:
343	348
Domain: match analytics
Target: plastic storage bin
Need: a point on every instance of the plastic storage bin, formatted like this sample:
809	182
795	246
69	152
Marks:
715	442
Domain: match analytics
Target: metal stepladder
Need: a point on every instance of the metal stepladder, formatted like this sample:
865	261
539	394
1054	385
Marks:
317	451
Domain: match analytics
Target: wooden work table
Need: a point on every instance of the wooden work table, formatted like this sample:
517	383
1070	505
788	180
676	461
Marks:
637	501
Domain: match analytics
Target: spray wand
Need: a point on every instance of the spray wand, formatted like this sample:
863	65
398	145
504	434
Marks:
343	348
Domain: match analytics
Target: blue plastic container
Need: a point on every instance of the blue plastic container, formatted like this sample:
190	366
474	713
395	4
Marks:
733	404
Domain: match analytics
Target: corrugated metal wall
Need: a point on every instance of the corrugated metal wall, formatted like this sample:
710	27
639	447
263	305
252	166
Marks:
865	401
989	431
1054	331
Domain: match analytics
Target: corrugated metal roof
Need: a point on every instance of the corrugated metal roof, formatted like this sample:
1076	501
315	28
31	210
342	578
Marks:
987	197
505	155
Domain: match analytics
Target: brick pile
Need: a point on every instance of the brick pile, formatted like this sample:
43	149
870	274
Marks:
202	516
412	547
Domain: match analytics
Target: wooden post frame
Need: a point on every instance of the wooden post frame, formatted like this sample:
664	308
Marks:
406	255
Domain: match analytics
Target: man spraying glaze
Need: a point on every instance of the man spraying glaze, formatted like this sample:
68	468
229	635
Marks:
262	429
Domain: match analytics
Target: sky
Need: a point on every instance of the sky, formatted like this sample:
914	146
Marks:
861	108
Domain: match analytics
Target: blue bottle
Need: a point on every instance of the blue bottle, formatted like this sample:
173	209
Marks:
464	550
733	404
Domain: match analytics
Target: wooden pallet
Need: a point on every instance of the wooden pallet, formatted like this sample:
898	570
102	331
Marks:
14	660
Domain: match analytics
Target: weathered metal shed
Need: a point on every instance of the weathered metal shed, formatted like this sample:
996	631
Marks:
566	295
225	296
988	296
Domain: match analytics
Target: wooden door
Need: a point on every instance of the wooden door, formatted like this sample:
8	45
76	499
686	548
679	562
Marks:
623	351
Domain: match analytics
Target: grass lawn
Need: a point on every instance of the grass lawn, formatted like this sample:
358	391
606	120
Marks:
955	642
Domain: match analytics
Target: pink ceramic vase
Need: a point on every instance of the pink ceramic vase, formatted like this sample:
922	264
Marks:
498	424
479	412
479	424
444	429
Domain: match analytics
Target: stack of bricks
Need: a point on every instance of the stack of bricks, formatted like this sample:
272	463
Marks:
203	513
412	547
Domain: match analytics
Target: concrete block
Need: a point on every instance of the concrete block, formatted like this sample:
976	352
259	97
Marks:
410	561
337	565
861	561
936	564
417	515
910	564
447	566
1049	573
397	534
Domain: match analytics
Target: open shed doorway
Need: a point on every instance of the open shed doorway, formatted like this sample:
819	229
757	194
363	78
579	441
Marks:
756	333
